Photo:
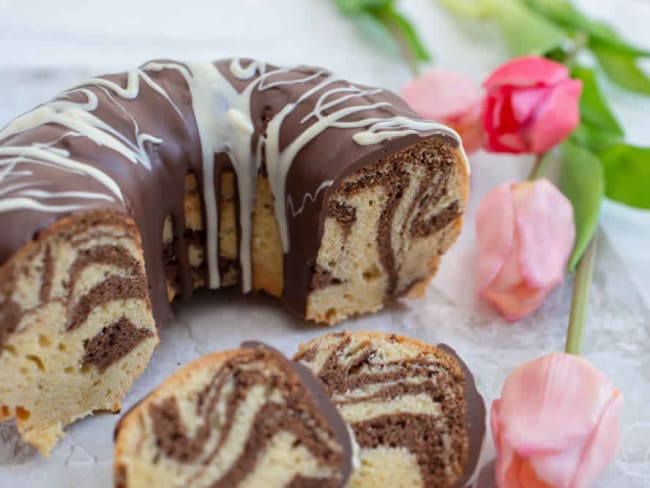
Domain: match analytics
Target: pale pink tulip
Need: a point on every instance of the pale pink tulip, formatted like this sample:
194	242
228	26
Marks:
555	425
450	98
524	234
531	105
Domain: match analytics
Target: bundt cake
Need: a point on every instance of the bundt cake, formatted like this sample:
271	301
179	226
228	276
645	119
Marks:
246	417
131	189
414	409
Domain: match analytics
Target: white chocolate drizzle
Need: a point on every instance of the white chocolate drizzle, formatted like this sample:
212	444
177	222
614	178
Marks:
224	121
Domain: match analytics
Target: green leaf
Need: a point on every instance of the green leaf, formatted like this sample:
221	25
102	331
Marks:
525	31
469	9
409	34
594	138
376	33
598	127
594	110
563	13
582	181
603	36
559	12
627	174
354	7
623	70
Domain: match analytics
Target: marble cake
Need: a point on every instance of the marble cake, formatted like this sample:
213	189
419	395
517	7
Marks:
132	189
413	407
245	417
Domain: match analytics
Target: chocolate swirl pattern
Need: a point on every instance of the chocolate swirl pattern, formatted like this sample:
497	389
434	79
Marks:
414	409
132	189
235	418
79	316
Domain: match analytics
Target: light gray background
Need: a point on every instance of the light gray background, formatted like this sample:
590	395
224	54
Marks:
47	45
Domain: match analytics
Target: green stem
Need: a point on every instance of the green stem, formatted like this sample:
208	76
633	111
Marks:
539	167
580	300
404	46
579	43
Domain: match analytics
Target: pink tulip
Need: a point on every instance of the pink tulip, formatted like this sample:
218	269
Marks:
449	98
531	105
524	234
555	425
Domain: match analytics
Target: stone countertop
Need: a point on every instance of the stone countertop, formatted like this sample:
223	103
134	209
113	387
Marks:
48	46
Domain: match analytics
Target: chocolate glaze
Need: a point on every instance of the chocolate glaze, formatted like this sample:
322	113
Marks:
166	113
474	418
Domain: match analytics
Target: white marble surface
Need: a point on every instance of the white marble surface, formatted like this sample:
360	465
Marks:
46	46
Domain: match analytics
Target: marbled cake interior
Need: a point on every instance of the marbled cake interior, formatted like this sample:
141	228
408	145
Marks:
413	408
131	189
236	418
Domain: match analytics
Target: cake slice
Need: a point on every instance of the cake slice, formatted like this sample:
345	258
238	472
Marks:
246	417
413	407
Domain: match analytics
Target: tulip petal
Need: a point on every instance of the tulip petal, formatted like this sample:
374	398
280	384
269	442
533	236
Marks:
557	468
580	465
515	302
556	117
469	127
442	95
527	71
505	454
528	477
500	123
551	404
494	233
525	103
601	446
545	232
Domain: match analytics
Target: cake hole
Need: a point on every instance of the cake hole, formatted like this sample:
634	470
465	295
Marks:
85	368
68	370
61	347
371	203
331	313
44	341
371	274
37	361
331	264
10	349
22	413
